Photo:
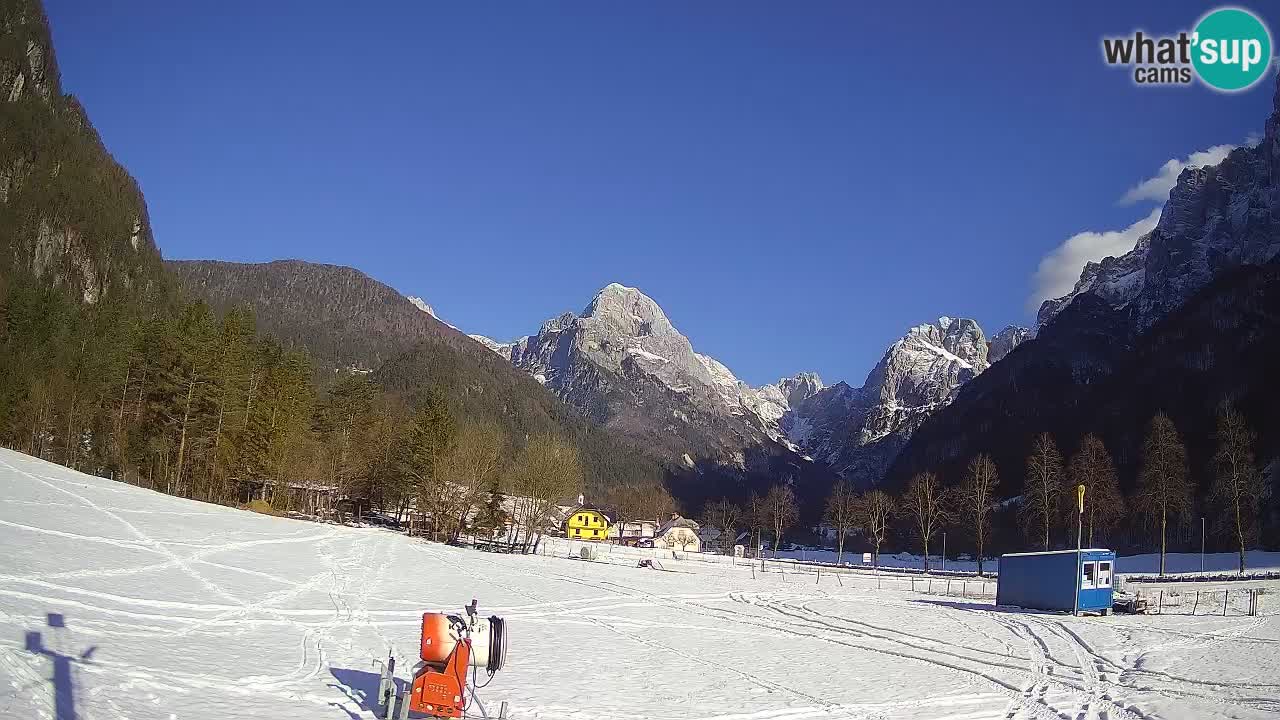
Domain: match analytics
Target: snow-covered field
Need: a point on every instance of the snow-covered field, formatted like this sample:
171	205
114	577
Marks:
130	604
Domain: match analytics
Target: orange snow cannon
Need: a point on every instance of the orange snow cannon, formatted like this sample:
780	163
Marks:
451	646
439	688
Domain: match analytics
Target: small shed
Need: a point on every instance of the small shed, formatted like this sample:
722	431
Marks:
1047	580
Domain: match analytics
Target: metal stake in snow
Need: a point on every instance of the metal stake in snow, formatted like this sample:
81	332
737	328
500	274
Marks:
1079	538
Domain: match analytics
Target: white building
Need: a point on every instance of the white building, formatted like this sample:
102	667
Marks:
678	533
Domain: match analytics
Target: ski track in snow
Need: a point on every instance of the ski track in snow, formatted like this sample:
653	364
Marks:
206	612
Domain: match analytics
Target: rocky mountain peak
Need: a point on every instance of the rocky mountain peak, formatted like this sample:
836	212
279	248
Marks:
1218	217
800	387
621	360
628	311
1005	341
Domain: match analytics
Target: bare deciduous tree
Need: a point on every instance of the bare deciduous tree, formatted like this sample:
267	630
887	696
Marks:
1164	488
546	470
1103	503
875	509
471	467
780	510
725	517
926	501
977	499
1237	484
757	518
841	514
1042	490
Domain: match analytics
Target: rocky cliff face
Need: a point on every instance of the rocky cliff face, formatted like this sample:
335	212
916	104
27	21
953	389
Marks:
624	363
1005	342
1178	324
858	431
70	216
1218	218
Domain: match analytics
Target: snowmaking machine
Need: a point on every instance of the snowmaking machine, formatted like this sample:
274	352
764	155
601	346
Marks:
451	645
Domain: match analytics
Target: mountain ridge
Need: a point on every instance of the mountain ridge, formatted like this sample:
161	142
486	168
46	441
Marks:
624	339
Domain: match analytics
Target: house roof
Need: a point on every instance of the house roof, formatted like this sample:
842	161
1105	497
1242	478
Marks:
588	508
678	522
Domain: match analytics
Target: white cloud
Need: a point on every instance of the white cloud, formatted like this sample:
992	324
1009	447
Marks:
1158	186
1060	269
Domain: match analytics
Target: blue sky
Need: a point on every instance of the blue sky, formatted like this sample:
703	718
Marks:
795	183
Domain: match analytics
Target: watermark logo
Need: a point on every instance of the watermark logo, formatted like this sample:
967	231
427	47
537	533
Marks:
1229	50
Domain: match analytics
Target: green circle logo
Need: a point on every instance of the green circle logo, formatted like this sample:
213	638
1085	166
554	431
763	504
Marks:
1231	49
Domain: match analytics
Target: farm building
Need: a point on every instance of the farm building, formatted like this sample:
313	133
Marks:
1048	580
631	531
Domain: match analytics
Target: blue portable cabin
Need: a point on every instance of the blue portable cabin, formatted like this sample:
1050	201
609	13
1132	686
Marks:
1047	580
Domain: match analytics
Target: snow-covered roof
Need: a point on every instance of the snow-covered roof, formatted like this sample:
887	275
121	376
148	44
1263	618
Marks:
678	522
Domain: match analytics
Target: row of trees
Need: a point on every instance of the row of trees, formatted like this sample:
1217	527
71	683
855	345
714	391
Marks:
1164	493
1047	510
203	407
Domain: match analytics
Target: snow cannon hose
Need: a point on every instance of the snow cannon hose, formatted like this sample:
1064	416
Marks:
497	644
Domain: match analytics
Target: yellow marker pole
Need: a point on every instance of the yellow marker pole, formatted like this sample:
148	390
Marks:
1079	537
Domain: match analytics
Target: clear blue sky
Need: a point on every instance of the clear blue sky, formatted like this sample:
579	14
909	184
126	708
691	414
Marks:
795	183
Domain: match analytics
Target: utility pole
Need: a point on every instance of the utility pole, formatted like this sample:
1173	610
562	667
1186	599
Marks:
1201	544
1079	537
944	551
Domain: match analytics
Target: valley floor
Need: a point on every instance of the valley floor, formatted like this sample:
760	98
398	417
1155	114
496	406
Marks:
117	602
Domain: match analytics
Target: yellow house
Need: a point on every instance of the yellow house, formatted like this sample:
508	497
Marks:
586	524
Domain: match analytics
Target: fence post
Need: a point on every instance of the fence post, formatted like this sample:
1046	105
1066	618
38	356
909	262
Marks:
948	587
819	580
1225	594
1160	604
1197	603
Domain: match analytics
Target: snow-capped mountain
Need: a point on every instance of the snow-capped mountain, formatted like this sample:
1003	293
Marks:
1005	341
858	431
1218	217
422	305
624	363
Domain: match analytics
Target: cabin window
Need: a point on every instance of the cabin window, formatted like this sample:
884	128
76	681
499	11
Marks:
1089	576
1104	574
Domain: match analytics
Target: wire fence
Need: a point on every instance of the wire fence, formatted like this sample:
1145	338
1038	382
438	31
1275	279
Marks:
1225	602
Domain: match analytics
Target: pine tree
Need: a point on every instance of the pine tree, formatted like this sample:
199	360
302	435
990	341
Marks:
430	437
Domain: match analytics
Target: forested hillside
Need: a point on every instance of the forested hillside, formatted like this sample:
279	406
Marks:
113	365
344	318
